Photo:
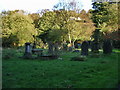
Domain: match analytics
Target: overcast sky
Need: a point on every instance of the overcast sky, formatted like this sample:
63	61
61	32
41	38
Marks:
35	5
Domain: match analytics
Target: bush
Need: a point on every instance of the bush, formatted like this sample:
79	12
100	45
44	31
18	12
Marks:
8	53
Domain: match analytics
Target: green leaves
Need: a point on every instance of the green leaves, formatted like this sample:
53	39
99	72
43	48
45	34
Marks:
63	25
18	25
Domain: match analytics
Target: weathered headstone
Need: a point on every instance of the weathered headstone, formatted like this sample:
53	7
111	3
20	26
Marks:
27	53
107	47
95	47
84	48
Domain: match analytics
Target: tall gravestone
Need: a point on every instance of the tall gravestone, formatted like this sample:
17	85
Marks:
95	47
107	47
84	48
27	53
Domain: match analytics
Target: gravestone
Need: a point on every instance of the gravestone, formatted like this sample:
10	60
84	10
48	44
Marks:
84	48
107	47
95	47
27	53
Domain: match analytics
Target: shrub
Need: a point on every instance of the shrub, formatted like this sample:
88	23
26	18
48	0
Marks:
8	53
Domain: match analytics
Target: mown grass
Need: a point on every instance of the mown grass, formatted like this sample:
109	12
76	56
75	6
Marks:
95	72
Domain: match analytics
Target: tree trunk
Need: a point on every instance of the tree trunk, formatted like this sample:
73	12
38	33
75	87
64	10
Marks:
69	38
74	43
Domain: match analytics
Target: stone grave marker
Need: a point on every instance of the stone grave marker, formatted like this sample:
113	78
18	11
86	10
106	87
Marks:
84	48
27	53
95	47
107	47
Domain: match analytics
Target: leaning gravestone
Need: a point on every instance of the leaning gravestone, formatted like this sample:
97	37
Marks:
84	48
27	53
107	47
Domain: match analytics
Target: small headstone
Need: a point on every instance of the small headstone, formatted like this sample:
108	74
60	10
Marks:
107	47
84	48
27	48
27	53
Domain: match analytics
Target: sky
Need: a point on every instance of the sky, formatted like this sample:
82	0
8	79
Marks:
33	6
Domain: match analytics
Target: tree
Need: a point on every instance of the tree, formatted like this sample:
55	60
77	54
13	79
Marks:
79	26
63	25
104	15
73	5
17	29
100	13
35	17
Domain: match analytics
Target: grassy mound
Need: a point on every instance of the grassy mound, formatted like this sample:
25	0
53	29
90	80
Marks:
79	58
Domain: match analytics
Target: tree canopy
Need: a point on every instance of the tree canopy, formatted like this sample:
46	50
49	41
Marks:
17	29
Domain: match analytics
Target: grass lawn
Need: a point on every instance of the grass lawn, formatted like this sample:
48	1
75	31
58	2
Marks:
95	72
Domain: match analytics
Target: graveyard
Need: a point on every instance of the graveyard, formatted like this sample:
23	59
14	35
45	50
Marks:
93	72
62	47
